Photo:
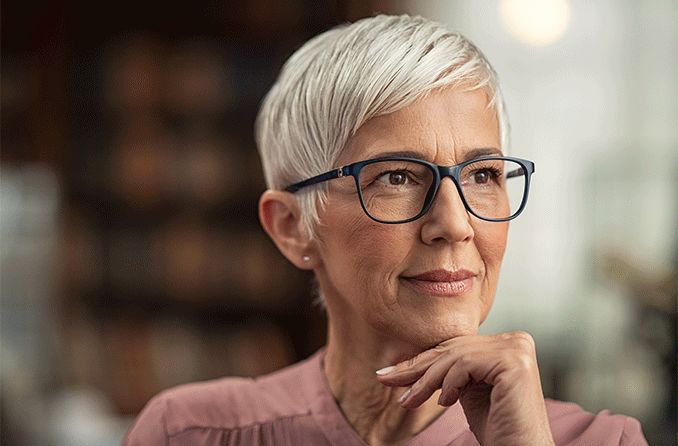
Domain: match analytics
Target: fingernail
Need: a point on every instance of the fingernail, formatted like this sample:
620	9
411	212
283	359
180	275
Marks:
385	370
404	396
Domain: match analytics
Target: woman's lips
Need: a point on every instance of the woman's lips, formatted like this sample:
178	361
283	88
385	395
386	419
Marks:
442	282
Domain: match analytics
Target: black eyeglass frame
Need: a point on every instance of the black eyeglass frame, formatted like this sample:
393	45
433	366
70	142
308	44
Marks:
439	173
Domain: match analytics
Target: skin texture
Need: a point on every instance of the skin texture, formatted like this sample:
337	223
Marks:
377	319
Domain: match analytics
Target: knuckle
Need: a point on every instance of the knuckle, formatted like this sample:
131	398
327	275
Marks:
464	361
448	355
524	340
505	336
441	348
446	344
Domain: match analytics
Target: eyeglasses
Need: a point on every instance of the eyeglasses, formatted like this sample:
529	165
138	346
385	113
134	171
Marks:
398	189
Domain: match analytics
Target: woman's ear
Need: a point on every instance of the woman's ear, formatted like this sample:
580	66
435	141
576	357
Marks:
280	216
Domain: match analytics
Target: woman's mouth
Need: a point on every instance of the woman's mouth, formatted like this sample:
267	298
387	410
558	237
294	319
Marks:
442	282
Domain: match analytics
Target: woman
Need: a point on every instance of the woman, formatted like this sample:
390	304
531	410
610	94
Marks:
384	148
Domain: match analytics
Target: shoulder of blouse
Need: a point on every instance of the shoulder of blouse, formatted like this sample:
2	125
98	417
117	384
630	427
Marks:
222	404
570	424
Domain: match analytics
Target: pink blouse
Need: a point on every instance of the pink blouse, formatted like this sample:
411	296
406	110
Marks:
294	406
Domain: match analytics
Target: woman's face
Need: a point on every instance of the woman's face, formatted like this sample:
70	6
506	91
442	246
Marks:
369	268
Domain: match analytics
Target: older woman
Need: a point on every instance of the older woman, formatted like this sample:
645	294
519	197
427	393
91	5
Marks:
384	147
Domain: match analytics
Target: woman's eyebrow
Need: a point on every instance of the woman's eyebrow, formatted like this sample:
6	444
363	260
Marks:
405	153
485	151
468	155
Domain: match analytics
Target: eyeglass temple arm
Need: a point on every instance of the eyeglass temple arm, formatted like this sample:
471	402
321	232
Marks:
332	174
517	172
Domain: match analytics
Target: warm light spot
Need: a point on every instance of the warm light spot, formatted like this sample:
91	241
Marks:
535	22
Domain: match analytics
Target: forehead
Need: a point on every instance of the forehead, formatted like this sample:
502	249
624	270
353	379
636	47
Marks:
443	128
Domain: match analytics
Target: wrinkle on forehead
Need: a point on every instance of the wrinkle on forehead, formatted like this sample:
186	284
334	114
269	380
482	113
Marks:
443	125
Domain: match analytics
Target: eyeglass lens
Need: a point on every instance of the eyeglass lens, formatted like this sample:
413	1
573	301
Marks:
394	191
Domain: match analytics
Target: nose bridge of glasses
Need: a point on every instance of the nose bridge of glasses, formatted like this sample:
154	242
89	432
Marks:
452	174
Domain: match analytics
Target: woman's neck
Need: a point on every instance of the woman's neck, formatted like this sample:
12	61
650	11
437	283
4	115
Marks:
353	354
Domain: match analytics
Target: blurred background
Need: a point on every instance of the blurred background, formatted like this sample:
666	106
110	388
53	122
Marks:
131	255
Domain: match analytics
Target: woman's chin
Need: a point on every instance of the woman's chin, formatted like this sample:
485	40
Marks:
431	335
425	324
454	331
462	319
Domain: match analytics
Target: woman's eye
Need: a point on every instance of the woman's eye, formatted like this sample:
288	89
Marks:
483	176
396	178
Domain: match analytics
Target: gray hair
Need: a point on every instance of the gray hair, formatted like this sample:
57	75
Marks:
342	78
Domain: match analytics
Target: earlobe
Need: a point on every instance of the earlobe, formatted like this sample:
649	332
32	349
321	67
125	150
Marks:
280	216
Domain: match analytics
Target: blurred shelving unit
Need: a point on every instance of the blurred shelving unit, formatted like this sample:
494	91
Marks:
167	273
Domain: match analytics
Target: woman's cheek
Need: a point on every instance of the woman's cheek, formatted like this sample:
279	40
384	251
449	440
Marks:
356	244
490	240
380	256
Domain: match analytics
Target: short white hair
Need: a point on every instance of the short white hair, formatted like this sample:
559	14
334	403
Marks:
343	77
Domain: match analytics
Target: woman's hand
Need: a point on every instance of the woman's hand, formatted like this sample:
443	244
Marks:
495	378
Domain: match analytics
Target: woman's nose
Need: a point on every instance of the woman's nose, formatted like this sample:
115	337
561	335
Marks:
447	219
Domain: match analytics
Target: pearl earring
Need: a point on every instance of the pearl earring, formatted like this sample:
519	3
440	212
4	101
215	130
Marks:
306	258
